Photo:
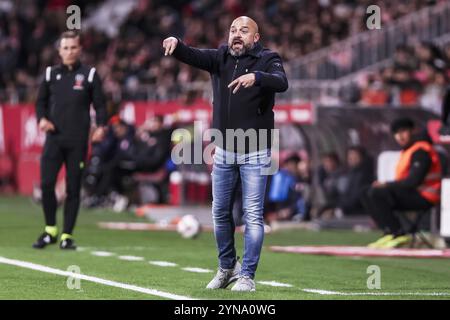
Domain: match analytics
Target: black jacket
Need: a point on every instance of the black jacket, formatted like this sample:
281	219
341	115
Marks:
446	108
359	179
249	108
65	97
153	152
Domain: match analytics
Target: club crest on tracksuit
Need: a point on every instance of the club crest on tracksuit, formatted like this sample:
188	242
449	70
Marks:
79	78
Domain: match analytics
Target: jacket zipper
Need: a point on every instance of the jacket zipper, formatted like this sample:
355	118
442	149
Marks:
231	90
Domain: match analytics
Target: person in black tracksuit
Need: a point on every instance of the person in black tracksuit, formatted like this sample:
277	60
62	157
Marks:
63	112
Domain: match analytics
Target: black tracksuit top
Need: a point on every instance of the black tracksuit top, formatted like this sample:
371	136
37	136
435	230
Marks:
249	108
65	97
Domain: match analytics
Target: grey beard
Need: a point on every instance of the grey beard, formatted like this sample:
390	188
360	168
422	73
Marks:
241	52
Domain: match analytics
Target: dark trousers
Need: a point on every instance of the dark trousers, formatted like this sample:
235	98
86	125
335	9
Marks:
381	203
113	177
73	155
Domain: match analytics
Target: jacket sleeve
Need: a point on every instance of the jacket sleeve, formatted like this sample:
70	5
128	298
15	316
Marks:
98	101
274	78
42	101
205	59
420	164
446	107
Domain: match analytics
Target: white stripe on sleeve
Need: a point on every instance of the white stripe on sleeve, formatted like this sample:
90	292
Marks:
91	75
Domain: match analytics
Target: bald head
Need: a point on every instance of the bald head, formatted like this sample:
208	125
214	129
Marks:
243	35
247	21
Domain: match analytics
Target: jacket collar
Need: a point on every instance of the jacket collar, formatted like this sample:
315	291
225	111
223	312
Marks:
422	136
75	66
256	50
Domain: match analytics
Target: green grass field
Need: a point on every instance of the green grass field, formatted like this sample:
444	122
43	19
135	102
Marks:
21	222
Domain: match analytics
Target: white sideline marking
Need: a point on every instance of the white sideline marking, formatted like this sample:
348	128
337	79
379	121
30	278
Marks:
38	267
163	263
275	284
102	253
131	258
198	270
337	293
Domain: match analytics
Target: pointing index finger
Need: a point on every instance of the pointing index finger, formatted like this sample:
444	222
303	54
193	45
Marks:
167	49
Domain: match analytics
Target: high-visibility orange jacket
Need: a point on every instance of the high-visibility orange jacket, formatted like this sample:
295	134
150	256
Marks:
430	188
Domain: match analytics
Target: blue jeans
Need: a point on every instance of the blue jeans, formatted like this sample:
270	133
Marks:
228	166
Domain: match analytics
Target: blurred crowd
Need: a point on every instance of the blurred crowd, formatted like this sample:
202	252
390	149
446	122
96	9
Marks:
111	175
132	166
339	192
131	63
418	75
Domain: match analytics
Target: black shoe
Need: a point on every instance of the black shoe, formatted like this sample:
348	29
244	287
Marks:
44	240
67	244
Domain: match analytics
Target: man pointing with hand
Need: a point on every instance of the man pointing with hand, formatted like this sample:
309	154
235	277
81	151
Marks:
245	77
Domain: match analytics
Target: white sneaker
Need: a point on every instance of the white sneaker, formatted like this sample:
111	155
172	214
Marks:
224	277
244	283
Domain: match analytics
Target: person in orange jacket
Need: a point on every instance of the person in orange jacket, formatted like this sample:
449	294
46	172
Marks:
416	186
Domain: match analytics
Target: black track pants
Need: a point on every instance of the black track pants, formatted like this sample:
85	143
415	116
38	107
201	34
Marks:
56	153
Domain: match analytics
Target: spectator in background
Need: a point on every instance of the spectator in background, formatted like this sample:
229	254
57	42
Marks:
406	88
283	196
375	93
404	58
331	182
434	91
358	178
112	163
129	61
417	76
153	162
153	145
303	186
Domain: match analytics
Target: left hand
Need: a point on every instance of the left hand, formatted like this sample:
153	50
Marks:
246	81
98	134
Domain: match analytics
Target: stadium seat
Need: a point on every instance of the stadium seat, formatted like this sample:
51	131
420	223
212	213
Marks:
415	224
387	160
409	97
